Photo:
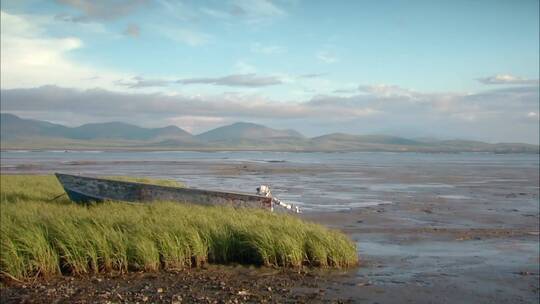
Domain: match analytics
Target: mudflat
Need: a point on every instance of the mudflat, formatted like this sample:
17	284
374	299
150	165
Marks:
438	232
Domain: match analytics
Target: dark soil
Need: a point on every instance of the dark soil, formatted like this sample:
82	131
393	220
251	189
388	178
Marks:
212	284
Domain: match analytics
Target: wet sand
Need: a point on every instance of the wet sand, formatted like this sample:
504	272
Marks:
447	233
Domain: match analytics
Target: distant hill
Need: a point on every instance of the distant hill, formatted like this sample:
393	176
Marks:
348	141
13	127
119	130
246	131
18	133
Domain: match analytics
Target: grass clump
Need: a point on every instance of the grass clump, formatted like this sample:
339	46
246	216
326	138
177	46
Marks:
145	180
40	237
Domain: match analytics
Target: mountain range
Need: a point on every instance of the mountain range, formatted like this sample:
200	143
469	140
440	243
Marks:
19	133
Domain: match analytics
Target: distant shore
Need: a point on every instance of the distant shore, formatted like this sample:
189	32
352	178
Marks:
232	149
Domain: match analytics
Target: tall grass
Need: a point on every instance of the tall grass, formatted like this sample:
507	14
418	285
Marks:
39	237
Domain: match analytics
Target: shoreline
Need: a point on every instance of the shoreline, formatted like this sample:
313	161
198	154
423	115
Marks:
219	150
424	247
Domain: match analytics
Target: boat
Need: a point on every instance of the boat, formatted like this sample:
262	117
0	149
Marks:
84	189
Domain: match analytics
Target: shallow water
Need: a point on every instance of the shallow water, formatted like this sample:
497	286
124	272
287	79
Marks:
314	181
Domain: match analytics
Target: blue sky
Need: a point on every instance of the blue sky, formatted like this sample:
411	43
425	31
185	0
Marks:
448	69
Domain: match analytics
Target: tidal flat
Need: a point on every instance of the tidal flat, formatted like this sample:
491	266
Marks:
444	228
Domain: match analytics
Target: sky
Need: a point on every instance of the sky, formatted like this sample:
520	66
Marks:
444	69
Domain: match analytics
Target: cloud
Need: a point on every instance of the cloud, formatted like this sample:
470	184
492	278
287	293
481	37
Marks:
132	30
312	75
501	114
99	10
104	103
327	57
256	10
250	11
138	82
238	80
31	58
267	49
345	91
216	13
411	103
386	90
242	67
182	35
507	79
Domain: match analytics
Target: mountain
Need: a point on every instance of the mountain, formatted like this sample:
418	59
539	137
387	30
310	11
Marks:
13	127
373	139
119	130
348	142
247	131
18	133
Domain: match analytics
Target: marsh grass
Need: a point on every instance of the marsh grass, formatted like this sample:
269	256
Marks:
47	238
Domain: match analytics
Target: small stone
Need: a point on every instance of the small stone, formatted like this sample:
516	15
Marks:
269	288
160	290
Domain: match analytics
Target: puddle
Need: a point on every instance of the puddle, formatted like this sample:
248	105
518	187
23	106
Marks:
456	197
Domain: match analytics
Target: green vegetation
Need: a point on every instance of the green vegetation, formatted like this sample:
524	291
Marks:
40	237
144	180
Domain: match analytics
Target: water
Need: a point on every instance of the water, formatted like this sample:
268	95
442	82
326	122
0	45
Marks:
315	181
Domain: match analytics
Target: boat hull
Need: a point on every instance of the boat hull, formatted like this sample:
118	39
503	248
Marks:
82	189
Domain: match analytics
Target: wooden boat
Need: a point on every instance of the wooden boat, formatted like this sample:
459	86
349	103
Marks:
82	189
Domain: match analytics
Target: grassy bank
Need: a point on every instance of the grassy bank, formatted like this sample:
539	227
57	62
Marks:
42	237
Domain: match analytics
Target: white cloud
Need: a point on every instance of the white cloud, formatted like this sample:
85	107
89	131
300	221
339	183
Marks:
182	35
253	12
256	10
138	82
195	124
327	57
267	49
30	58
386	90
243	67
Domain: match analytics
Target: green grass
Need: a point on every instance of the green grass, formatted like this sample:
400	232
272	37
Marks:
145	180
40	237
